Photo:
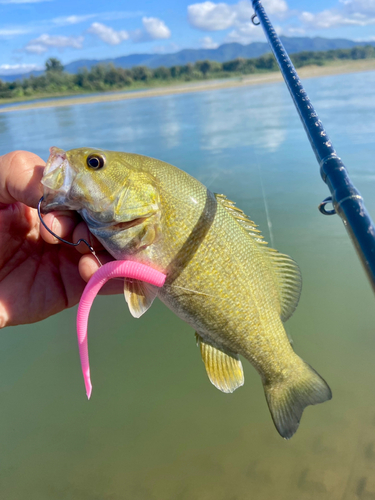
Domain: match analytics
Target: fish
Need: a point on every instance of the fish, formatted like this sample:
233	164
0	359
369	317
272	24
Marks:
222	278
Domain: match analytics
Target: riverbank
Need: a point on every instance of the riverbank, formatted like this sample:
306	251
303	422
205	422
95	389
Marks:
258	79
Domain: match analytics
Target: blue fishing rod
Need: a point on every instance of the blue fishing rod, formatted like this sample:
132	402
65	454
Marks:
346	200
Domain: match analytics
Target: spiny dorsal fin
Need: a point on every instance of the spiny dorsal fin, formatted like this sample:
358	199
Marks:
139	295
241	218
284	270
223	369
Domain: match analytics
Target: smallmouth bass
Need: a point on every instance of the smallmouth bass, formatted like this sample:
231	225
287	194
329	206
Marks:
222	278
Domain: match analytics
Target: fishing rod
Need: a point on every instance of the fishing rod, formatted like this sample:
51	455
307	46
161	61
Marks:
346	200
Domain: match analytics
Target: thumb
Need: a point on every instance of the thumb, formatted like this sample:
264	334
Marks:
20	176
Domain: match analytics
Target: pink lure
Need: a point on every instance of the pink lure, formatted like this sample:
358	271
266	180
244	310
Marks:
115	269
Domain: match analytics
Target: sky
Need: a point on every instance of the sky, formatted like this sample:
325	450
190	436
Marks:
31	31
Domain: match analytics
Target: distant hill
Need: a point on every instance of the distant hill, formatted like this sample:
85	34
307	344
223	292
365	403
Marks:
225	52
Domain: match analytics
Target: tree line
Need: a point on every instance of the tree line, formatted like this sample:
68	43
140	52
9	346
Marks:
104	77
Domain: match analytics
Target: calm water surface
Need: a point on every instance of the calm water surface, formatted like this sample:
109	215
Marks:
155	427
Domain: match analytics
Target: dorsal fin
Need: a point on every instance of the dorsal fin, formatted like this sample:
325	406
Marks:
287	277
284	270
241	218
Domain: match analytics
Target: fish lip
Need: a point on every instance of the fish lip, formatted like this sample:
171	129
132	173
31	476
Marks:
56	158
58	177
51	204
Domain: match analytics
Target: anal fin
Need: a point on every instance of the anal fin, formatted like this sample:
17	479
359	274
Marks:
139	295
224	369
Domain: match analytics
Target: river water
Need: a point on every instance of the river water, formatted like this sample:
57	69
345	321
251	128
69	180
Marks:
155	427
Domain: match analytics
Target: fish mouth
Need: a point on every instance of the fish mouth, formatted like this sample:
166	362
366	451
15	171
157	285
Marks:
121	226
56	172
57	180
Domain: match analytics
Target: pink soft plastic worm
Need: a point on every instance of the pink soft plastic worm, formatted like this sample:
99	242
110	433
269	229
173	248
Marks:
115	269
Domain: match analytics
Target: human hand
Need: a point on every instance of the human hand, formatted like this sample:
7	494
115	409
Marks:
39	276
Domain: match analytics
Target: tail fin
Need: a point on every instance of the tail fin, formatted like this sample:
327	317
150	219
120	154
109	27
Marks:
287	398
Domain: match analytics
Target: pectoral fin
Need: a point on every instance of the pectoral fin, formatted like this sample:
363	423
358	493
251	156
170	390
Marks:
223	369
139	296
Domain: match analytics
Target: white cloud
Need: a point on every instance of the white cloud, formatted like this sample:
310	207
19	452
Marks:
291	31
364	6
18	69
208	43
352	13
153	29
108	34
156	28
73	19
104	16
41	26
24	1
210	16
244	33
45	42
9	32
330	18
276	7
367	39
115	15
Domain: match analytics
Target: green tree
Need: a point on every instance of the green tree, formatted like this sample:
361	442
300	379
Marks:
54	64
203	66
162	73
141	73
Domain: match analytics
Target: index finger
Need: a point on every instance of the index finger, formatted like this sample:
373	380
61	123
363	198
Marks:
20	176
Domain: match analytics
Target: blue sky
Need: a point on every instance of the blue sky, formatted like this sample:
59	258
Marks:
31	31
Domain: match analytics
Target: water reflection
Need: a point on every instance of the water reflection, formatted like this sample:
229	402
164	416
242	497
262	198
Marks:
241	119
3	124
65	117
350	111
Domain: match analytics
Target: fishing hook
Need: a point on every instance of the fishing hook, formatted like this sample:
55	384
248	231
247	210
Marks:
253	17
81	240
322	209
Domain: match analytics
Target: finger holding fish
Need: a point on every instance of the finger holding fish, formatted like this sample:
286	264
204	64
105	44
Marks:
20	175
81	232
67	224
61	223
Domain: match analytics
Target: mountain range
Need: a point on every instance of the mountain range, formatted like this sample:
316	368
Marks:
225	52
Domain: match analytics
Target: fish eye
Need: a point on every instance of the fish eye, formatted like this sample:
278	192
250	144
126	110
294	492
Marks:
96	162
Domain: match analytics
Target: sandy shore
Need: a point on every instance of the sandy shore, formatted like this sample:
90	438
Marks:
306	72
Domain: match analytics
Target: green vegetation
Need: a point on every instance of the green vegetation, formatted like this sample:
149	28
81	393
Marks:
53	64
102	77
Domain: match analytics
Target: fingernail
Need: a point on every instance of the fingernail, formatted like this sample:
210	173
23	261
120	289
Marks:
56	226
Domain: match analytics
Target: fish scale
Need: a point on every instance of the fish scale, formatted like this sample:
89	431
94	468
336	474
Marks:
221	276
